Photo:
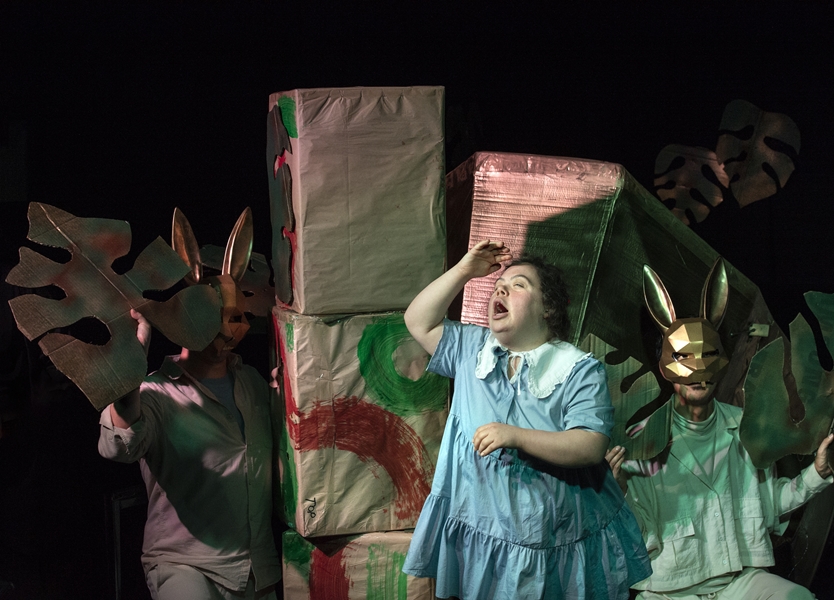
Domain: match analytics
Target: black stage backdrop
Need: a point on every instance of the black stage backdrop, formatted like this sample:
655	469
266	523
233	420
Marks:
129	109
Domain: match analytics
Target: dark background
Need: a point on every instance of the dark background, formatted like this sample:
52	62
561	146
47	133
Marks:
131	109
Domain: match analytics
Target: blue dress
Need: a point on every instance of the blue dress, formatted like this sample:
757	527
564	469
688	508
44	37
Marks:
508	525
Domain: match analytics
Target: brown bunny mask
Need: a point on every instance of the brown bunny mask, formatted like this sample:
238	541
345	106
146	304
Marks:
234	324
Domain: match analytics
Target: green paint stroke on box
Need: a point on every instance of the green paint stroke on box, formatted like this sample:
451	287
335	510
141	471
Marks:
298	553
289	479
386	579
289	333
287	106
395	392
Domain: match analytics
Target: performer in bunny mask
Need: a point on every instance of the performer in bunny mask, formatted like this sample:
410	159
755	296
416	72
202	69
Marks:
704	509
200	429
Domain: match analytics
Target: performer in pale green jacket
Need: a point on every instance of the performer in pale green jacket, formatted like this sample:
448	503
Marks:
705	511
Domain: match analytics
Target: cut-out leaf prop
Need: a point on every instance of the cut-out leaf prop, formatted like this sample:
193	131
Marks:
280	128
631	392
687	180
260	296
758	150
109	371
767	430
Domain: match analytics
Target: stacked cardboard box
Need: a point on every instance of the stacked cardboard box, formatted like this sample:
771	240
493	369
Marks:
356	567
358	212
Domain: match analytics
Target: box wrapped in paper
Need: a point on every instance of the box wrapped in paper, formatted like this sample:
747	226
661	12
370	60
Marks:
356	184
596	222
360	567
363	423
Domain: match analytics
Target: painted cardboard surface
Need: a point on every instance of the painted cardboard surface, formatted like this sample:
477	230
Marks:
364	567
593	220
362	423
357	196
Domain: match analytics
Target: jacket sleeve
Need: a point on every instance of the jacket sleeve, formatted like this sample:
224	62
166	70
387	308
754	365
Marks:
126	445
782	495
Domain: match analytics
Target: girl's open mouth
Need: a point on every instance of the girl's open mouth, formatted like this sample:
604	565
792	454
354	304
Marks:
498	308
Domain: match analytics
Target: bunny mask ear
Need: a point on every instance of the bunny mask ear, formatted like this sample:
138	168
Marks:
657	299
239	247
235	263
185	244
715	293
234	325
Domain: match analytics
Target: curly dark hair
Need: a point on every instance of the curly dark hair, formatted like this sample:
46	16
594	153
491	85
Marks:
555	296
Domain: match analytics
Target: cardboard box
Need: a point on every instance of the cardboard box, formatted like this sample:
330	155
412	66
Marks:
597	223
356	183
362	426
361	567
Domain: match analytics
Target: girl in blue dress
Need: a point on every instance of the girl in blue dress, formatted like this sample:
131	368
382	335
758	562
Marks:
523	504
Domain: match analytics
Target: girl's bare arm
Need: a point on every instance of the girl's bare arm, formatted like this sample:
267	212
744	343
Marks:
571	448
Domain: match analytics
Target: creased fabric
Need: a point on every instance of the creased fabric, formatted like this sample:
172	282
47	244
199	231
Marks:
507	525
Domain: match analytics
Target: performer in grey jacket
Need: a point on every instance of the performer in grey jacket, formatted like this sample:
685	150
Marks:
200	429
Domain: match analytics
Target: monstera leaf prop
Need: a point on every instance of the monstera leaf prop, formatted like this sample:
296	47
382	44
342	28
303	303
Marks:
109	371
767	430
757	149
652	436
688	179
260	296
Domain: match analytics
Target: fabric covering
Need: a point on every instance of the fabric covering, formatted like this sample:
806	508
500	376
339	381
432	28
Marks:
510	526
751	584
209	490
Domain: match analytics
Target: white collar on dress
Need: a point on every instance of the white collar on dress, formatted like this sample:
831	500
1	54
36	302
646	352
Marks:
547	366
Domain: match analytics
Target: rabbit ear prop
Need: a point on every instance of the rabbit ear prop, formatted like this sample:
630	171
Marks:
657	299
239	247
185	244
715	293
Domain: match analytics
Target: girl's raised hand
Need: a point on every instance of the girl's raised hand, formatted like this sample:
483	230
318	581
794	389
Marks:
484	258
